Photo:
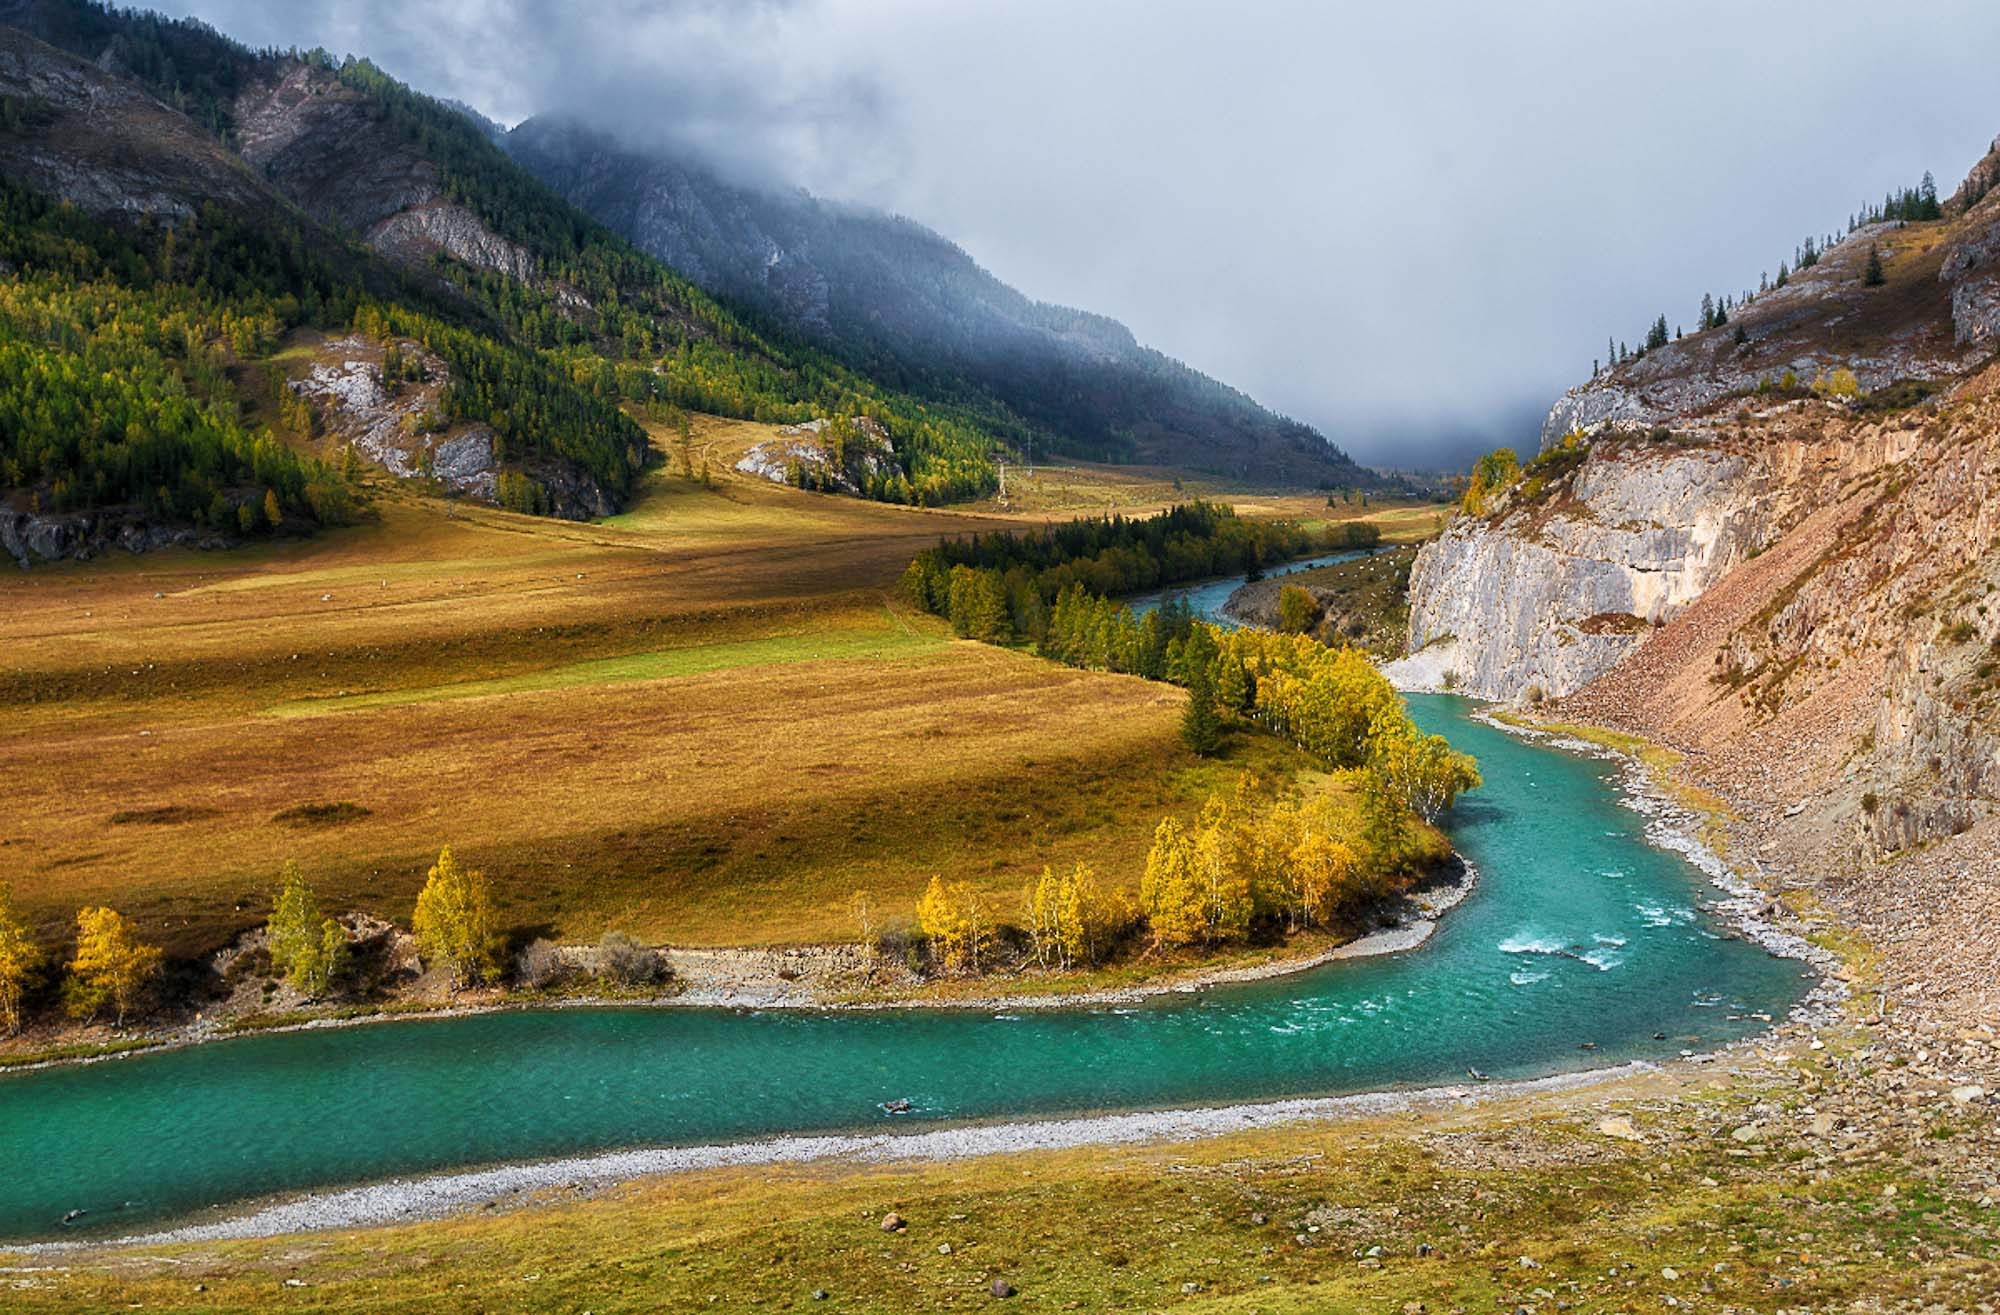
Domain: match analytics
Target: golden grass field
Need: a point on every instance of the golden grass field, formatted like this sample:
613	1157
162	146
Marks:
706	721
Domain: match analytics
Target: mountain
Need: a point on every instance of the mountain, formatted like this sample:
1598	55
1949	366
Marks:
897	301
1775	547
351	272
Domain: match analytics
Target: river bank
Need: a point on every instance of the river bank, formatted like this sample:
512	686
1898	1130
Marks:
439	1195
817	977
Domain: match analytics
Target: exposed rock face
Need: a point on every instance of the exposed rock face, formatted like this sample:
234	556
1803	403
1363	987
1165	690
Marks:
393	426
108	147
805	452
30	537
1540	600
318	141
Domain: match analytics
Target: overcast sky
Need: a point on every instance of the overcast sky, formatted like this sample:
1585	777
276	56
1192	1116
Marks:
1410	225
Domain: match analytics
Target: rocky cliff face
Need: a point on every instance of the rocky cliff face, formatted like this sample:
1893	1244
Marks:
321	142
1803	590
1547	593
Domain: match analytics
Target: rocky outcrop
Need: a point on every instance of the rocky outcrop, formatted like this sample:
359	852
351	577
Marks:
396	423
1543	596
33	537
102	144
1935	320
805	455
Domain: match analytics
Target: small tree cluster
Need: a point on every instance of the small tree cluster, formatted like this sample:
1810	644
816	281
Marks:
955	919
1242	864
1492	474
1423	773
1841	384
1074	920
1298	610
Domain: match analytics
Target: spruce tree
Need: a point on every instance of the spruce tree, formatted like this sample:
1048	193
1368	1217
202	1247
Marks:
1873	276
1201	726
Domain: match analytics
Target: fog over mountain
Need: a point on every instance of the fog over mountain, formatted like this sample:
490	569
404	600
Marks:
1409	228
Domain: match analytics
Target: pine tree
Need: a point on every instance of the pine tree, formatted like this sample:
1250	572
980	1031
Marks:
1201	726
1872	276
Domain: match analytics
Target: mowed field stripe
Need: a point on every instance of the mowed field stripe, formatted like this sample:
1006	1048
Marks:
883	643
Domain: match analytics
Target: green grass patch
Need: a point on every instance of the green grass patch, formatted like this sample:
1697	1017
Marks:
881	644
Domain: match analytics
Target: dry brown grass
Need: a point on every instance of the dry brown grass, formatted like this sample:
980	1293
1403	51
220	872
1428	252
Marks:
704	721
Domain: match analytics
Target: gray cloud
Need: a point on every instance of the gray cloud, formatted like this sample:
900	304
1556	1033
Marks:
1410	225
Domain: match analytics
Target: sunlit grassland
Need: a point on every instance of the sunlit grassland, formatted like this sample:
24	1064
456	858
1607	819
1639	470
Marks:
706	721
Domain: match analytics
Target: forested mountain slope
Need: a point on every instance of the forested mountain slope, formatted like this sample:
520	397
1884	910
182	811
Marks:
289	264
898	301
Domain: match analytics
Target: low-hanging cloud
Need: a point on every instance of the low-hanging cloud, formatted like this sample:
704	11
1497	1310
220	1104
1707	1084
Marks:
1409	225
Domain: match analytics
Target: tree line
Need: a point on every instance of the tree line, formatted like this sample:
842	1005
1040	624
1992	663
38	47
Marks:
1007	585
1245	867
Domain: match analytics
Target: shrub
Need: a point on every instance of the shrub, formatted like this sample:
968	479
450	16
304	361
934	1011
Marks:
623	961
538	964
1298	610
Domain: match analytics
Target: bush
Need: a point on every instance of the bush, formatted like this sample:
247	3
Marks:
1298	610
538	964
622	961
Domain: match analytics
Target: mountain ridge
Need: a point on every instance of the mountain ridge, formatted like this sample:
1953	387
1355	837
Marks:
890	295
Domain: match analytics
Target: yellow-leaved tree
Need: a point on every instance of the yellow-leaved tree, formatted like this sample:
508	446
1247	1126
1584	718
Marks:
1042	906
454	922
308	950
951	915
1226	860
1171	893
1322	871
1089	918
1423	771
111	965
20	960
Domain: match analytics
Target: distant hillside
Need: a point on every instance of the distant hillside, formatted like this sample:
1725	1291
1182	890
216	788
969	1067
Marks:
901	303
343	269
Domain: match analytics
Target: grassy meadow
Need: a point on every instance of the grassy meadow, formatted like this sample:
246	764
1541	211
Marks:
706	721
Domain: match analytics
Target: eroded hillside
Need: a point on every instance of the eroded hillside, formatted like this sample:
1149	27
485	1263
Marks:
1792	575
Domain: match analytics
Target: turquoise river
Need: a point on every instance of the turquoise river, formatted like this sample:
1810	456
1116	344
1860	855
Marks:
1580	933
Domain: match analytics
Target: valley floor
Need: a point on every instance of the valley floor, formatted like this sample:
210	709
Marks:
709	722
528	691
